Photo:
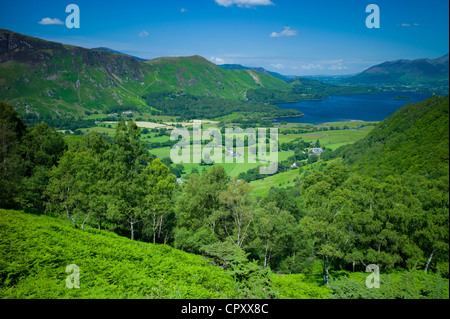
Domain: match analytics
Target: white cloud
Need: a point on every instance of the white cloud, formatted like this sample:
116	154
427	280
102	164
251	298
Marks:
407	25
338	65
48	21
287	32
183	10
277	66
244	3
217	60
312	66
143	34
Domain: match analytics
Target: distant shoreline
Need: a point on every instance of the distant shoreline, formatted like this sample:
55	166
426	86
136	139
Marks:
289	116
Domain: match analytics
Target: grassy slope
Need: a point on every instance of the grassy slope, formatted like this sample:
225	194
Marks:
35	251
283	180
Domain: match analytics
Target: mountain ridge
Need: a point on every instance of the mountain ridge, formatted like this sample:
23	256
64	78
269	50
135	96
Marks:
118	52
419	71
39	76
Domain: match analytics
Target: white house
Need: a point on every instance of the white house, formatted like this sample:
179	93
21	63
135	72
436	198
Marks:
316	151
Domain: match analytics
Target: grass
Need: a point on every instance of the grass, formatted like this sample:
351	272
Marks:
261	187
234	169
287	179
161	152
298	286
335	139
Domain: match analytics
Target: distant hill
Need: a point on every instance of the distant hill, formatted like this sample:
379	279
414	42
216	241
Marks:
332	79
433	72
285	78
43	77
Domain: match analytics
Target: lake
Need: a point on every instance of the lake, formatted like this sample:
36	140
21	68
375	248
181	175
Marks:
344	108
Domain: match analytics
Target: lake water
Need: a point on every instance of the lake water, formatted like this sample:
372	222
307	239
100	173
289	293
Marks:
344	108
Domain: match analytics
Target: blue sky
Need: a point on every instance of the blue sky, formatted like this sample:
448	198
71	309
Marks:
301	37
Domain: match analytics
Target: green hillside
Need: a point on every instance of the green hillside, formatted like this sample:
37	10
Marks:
197	76
38	76
414	140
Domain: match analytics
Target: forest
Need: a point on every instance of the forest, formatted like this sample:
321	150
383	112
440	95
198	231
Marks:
383	200
197	107
305	89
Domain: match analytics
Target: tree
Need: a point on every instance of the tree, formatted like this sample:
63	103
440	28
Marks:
198	210
42	149
272	230
327	221
12	165
159	185
237	212
313	158
128	159
68	192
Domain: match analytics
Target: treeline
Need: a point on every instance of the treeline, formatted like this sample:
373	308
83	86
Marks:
117	184
121	108
321	129
68	123
195	107
353	220
414	140
26	157
305	89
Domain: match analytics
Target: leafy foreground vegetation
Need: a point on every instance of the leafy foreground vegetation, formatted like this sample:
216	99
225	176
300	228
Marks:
37	249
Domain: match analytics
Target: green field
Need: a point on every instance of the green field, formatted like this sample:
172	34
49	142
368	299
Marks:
285	180
331	139
335	139
233	169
